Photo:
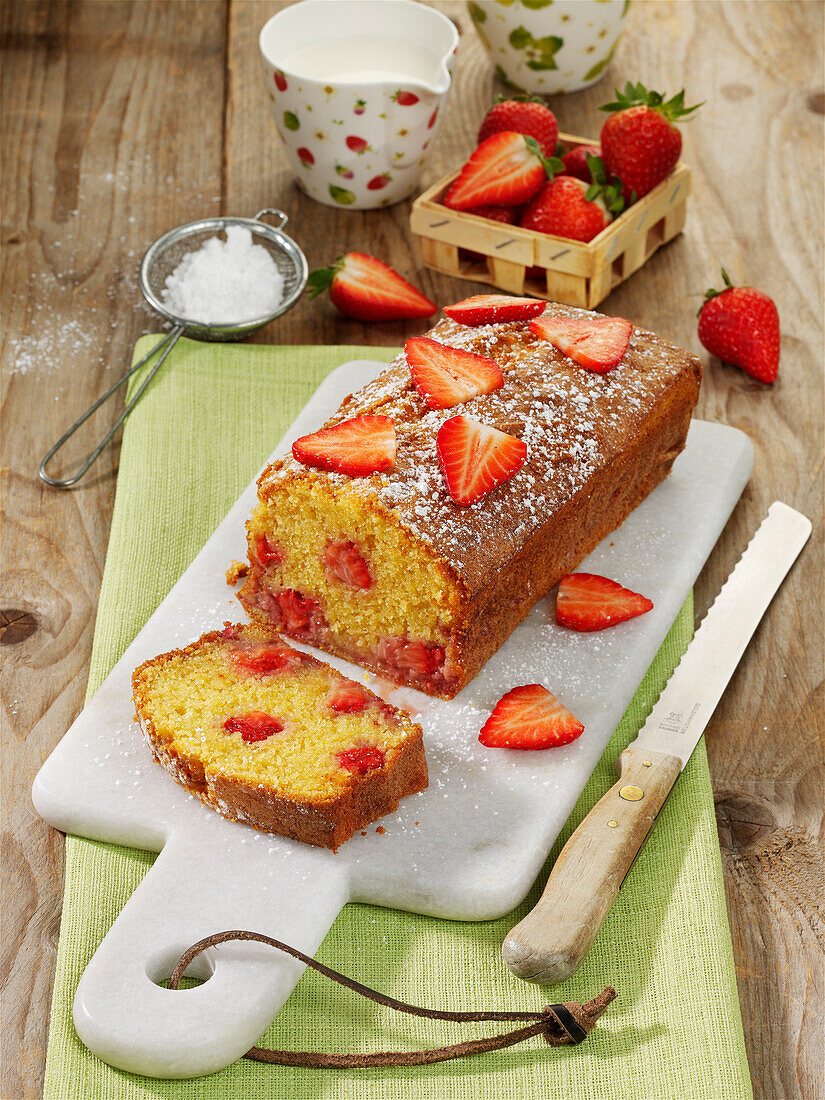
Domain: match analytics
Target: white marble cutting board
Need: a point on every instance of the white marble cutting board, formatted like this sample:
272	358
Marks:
468	848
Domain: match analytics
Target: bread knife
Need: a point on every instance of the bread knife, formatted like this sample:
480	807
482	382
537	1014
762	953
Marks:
549	944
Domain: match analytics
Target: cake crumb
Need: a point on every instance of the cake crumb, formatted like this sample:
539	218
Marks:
236	571
363	832
380	830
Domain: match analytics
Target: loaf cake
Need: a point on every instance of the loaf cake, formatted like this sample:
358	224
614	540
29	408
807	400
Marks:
389	571
273	737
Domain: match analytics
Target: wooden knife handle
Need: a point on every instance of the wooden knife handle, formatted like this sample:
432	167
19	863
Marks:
553	939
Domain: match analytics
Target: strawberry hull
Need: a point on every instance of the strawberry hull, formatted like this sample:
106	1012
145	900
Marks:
524	262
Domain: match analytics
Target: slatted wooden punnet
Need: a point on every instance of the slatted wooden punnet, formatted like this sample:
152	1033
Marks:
485	251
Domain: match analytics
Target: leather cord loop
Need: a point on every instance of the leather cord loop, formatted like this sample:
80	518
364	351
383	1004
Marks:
560	1024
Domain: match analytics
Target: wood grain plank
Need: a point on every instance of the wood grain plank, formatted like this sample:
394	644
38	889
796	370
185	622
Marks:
99	156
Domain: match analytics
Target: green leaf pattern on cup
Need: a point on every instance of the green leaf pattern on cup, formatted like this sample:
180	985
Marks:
549	46
541	52
600	66
291	121
340	194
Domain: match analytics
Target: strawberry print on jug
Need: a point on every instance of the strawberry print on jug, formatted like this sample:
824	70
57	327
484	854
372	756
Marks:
357	91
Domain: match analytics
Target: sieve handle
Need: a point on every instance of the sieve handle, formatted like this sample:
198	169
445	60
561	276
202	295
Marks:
165	346
283	219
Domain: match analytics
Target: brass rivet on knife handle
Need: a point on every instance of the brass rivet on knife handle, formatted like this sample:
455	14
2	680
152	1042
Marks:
553	939
632	793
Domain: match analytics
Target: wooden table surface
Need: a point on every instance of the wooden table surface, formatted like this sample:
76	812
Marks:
121	120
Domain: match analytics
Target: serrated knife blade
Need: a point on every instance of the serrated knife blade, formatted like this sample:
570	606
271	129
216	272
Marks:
549	944
691	695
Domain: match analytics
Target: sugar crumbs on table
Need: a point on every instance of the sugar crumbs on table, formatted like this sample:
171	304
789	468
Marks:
225	282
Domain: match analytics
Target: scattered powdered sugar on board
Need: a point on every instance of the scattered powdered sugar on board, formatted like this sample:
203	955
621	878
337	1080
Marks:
225	282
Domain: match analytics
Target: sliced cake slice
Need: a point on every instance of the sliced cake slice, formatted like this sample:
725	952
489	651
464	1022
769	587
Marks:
271	736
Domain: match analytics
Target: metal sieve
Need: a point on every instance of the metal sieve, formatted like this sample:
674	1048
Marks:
158	263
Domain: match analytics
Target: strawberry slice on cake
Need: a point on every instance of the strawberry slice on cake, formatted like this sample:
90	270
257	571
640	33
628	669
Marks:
596	343
475	458
360	446
494	309
446	376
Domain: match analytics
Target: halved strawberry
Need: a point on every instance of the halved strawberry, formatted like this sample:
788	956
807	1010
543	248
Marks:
476	458
343	563
446	376
587	601
494	309
361	759
361	446
296	610
367	289
529	717
507	169
597	343
347	698
263	660
255	726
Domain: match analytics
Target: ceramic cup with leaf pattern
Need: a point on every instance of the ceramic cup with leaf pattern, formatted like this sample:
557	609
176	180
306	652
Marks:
549	46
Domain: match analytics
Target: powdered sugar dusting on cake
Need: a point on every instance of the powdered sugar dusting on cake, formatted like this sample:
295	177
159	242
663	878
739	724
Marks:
572	420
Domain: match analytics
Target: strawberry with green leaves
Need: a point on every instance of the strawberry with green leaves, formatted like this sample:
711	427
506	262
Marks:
568	207
524	114
640	143
367	289
740	325
505	170
575	161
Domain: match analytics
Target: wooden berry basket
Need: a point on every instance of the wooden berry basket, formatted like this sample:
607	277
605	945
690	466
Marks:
484	251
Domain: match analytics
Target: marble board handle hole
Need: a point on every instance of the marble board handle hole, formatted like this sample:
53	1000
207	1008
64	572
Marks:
161	963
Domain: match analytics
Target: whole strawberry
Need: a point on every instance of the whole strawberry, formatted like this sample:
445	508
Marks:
639	142
525	115
568	207
741	326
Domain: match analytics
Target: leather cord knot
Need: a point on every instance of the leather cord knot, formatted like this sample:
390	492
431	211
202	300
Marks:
560	1024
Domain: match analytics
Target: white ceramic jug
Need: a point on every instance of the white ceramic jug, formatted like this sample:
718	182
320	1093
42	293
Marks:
357	88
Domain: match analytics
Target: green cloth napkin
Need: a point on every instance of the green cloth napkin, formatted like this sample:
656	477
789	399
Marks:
198	436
